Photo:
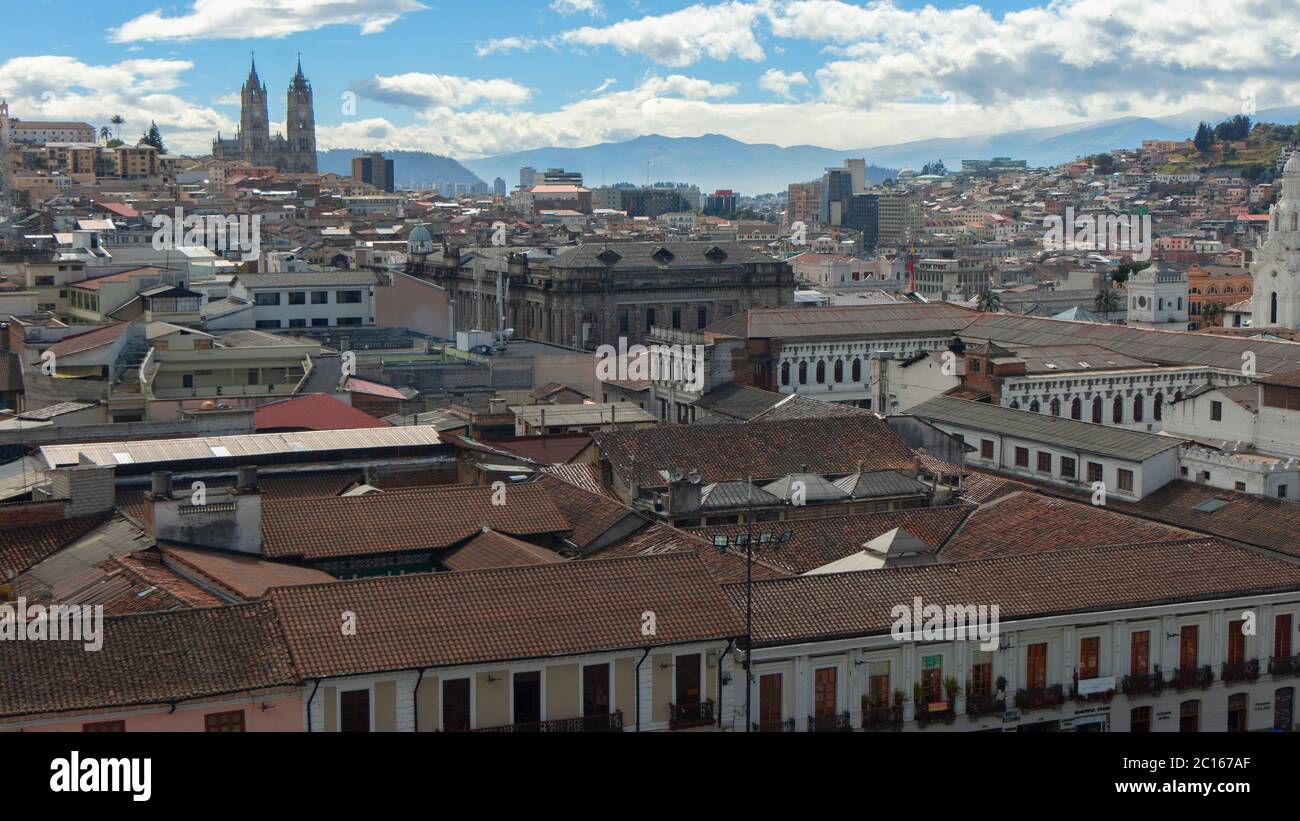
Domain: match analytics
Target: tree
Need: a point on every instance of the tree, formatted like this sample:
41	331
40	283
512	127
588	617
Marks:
989	302
153	137
1204	138
118	121
106	134
1106	301
1212	313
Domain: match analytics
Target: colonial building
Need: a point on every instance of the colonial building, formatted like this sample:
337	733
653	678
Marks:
592	295
1277	260
294	152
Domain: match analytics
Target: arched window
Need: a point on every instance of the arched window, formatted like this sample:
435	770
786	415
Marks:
1076	409
1056	407
1158	407
1178	396
1117	413
1214	289
785	373
1034	407
1295	221
1272	308
839	371
857	370
1245	289
1096	410
1227	289
1138	408
821	373
803	373
1015	404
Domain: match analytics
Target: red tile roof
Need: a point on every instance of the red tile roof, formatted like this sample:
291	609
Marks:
245	576
22	548
400	521
313	412
89	340
846	605
1026	522
764	450
490	550
158	658
444	619
817	542
355	385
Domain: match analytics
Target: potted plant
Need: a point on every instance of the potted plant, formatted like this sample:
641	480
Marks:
951	689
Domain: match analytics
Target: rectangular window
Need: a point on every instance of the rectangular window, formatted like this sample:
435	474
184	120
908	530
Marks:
932	678
1189	717
770	700
1044	462
297	323
986	448
349	321
1240	487
348	297
981	673
1237	715
1126	480
1187	646
677	318
320	297
263	299
1140	653
1067	468
1094	472
320	323
701	317
1282	636
297	297
104	727
595	690
1140	720
1236	642
649	319
878	683
1022	457
1036	666
825	692
354	711
1216	411
455	706
267	324
231	722
623	321
1089	658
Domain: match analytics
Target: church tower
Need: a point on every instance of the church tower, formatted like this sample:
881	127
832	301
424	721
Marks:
301	124
1277	260
254	119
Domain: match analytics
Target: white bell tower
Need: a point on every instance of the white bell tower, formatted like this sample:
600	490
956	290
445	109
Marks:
1277	260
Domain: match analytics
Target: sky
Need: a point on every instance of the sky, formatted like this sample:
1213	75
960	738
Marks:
487	77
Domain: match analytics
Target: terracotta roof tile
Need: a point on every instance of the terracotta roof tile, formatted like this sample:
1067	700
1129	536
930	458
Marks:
22	548
1068	581
490	550
443	619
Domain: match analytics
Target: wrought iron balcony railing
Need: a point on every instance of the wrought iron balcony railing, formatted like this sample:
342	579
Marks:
685	716
1240	671
611	723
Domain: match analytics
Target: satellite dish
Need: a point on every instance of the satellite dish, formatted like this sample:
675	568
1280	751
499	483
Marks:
677	475
694	477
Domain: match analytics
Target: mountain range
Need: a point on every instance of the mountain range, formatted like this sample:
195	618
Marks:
714	161
411	169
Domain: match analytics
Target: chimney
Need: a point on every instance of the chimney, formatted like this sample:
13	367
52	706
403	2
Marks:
247	479
161	485
88	489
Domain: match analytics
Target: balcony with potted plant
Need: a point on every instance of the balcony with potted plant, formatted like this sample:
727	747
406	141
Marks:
1284	666
832	723
879	715
931	711
1040	698
1145	684
979	705
1241	672
1191	678
1092	690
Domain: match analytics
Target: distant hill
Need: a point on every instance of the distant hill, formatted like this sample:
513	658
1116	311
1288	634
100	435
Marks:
410	168
715	161
711	162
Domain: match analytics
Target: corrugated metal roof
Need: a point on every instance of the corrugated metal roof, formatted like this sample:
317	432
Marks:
162	451
1119	443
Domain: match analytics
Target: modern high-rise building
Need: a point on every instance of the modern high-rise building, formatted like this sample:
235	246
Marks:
527	177
804	203
374	170
721	204
499	187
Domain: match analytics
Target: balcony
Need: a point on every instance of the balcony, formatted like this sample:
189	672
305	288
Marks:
1283	666
685	716
612	723
934	712
979	705
1240	672
834	723
1040	698
1188	678
785	725
882	717
1144	684
1093	690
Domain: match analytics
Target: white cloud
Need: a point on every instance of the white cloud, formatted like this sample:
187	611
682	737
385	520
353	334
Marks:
422	91
592	7
57	87
503	45
782	83
241	19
